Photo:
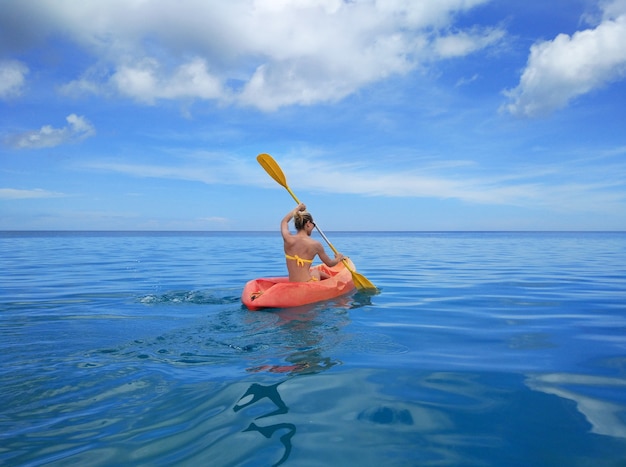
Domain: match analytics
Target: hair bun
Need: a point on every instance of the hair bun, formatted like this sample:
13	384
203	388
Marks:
300	218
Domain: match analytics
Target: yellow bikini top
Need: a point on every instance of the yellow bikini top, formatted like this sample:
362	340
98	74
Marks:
299	261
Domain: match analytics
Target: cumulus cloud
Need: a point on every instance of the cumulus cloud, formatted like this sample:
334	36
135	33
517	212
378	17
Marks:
12	78
560	70
77	128
260	53
144	82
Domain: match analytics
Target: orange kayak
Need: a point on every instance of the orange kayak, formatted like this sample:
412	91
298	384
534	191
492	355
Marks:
278	292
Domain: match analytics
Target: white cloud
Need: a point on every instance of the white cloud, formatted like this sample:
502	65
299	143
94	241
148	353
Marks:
12	78
261	53
533	187
613	8
145	82
570	66
466	42
78	128
201	166
13	193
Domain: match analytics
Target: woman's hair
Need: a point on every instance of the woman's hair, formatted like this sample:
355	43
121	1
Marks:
300	219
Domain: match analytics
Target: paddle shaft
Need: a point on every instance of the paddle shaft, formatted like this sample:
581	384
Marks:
274	171
318	229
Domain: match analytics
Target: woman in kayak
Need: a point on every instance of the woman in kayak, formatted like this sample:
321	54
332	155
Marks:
301	249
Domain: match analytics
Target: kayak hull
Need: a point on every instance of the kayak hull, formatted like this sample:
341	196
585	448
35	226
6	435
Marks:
279	292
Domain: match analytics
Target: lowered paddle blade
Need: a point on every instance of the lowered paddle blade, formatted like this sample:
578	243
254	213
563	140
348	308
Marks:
362	283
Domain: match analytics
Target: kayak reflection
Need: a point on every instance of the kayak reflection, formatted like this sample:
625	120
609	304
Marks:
256	393
304	337
305	334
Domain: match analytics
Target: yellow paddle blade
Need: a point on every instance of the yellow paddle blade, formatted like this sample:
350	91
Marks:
272	168
361	283
274	171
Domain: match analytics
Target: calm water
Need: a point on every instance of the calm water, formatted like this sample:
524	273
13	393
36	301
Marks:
483	349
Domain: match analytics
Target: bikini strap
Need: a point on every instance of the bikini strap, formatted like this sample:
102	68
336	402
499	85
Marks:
299	261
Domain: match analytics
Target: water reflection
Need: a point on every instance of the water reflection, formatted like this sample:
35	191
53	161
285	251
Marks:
285	439
303	335
606	418
374	417
257	392
262	379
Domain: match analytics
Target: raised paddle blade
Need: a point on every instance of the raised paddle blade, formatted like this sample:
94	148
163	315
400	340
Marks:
274	171
272	168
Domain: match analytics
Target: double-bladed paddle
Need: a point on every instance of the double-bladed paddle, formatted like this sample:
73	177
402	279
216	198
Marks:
274	171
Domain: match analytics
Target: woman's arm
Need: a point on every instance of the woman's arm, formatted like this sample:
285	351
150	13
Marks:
284	224
326	259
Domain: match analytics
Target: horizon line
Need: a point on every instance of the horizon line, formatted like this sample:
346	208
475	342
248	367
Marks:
277	231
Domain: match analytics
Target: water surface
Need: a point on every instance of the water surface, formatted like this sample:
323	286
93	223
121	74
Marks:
481	349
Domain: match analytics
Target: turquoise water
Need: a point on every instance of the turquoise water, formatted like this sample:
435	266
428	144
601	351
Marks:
482	349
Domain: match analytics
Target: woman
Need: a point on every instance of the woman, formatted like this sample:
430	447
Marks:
300	248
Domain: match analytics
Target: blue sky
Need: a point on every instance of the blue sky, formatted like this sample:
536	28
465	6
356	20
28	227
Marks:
384	115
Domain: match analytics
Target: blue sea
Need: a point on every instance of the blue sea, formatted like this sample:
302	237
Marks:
481	349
